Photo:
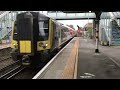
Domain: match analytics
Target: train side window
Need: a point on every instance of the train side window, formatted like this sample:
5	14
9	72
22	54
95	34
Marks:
54	30
43	30
15	32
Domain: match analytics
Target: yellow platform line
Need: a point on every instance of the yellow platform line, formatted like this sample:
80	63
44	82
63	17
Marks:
76	62
68	72
116	46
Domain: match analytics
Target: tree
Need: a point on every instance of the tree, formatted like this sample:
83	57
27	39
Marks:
89	29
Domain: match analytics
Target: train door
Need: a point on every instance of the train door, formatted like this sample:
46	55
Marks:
63	34
55	35
35	30
59	35
14	35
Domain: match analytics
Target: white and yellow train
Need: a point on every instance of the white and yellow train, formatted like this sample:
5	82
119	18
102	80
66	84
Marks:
35	36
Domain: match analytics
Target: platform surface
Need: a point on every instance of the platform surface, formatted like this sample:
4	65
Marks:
2	46
90	65
63	65
93	65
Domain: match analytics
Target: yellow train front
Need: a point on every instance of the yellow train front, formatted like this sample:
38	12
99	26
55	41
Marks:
35	36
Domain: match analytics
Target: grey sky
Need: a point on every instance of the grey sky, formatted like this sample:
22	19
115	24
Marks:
81	23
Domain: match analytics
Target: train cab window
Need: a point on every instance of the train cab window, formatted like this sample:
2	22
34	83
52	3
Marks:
43	30
15	32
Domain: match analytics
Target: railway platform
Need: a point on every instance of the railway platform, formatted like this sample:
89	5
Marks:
78	60
3	46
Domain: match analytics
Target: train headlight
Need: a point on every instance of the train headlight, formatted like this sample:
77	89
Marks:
14	44
46	44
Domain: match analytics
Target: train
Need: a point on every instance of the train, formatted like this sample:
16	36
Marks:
36	36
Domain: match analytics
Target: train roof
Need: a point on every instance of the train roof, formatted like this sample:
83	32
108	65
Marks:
68	27
35	12
51	18
44	15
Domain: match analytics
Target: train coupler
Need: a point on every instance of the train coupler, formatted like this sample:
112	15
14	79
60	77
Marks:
26	60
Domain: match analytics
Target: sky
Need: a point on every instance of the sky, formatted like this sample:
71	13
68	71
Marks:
81	23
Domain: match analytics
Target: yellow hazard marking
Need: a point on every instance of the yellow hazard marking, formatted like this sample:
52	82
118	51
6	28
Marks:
68	72
116	46
25	46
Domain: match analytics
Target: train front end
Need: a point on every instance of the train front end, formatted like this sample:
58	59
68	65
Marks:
22	38
31	38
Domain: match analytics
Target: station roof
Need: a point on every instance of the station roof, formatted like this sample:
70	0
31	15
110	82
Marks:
115	14
1	12
97	13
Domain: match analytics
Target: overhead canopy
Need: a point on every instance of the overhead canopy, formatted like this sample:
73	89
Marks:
71	16
116	14
75	11
98	13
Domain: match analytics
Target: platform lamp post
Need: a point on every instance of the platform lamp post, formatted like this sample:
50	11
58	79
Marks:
97	36
98	14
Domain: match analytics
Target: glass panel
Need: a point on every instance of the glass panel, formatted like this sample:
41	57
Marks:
43	30
15	32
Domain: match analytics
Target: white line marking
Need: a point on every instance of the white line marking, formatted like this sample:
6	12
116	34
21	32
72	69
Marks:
89	74
111	59
115	62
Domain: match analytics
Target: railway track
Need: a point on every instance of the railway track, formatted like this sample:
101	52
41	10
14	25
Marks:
7	62
8	67
5	58
12	72
29	73
16	71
